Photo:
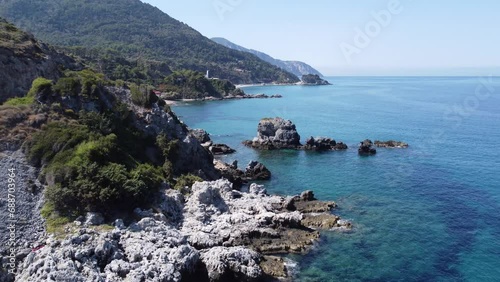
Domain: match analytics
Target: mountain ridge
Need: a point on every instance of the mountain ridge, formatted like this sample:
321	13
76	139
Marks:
296	67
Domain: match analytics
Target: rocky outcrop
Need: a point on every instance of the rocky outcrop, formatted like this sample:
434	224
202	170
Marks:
217	215
257	171
232	264
153	121
275	133
147	249
216	149
254	171
324	144
365	148
313	79
391	144
278	133
221	149
201	135
22	59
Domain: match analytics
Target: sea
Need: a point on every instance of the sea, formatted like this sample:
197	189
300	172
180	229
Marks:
430	212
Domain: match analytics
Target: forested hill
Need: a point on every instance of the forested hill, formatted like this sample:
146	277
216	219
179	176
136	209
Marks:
137	31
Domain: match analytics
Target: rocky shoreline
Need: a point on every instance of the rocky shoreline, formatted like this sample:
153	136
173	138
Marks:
216	233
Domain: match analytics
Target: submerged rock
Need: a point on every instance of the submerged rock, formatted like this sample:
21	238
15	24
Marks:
365	148
391	144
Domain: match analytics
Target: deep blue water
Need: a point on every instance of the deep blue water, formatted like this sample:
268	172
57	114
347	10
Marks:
427	213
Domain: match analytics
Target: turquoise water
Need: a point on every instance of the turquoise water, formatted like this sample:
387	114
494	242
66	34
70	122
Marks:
427	213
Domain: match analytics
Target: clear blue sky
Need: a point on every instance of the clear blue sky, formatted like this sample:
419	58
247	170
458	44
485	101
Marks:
423	37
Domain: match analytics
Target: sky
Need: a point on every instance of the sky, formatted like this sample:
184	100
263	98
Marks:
345	37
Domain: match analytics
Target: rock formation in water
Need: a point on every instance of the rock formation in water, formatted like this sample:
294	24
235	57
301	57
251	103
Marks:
278	133
313	79
323	144
365	148
391	144
216	149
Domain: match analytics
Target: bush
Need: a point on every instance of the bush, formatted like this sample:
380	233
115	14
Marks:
168	147
185	182
55	138
20	101
67	86
88	171
39	85
142	95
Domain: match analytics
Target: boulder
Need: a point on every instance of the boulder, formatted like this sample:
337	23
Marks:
278	133
232	264
257	171
365	148
201	135
93	218
221	149
307	196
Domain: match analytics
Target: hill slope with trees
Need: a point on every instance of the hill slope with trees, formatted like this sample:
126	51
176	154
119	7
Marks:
139	32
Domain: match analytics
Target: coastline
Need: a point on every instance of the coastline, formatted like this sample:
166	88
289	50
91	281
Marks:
266	84
246	96
300	83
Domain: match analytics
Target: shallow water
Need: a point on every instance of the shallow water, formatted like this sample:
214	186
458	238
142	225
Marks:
427	213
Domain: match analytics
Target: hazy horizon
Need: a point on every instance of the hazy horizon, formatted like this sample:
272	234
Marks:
383	37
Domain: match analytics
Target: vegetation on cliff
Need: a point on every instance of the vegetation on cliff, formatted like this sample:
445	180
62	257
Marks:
22	59
93	155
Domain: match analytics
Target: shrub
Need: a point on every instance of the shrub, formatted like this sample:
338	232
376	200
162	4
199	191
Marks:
67	86
20	101
168	147
39	85
185	182
142	95
54	138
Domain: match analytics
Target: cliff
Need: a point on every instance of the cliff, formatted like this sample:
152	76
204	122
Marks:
22	59
295	67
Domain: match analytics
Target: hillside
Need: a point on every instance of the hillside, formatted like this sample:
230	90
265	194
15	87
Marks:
22	59
140	33
295	67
